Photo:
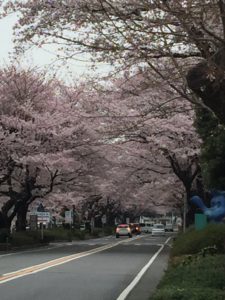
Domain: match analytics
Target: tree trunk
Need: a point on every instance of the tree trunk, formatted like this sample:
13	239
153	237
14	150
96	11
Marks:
5	221
21	218
211	89
190	211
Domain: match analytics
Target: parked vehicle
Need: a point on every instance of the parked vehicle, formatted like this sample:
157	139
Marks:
123	230
135	228
169	227
158	229
146	227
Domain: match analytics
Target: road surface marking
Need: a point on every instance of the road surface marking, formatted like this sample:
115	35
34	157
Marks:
135	281
56	262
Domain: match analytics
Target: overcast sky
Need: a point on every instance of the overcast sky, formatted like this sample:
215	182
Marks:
40	57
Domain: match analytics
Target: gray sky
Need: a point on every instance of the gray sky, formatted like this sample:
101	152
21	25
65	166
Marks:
41	57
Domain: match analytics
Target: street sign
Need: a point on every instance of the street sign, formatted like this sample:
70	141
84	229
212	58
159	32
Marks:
69	216
43	217
104	219
40	208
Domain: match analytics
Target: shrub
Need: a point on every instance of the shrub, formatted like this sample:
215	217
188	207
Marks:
61	234
78	234
174	293
192	281
96	232
4	234
108	230
205	271
194	241
22	239
196	270
57	234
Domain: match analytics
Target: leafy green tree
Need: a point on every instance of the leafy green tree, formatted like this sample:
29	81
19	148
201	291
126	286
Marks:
212	157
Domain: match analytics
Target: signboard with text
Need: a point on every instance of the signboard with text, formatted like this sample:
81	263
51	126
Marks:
69	216
43	217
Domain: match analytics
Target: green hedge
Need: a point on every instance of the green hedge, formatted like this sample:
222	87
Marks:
49	235
197	267
174	293
22	239
61	234
201	279
193	241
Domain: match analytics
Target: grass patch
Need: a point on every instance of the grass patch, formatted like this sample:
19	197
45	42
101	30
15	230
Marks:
18	239
29	238
201	279
193	241
174	293
197	266
205	272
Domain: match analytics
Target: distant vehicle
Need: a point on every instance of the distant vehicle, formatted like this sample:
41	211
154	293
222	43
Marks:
123	230
169	226
158	229
146	227
135	228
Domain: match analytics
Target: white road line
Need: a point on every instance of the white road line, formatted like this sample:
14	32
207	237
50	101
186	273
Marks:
56	262
135	281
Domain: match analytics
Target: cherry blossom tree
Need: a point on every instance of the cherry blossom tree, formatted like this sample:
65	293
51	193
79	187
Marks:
95	207
41	139
21	186
168	45
100	143
166	37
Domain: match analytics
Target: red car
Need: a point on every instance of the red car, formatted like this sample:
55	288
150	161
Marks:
135	228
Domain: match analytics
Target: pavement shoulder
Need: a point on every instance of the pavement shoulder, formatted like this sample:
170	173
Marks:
148	283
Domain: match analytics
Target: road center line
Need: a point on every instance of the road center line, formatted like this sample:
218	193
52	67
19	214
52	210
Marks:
135	281
56	262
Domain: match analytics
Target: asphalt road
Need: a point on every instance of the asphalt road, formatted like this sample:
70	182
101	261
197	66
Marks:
99	269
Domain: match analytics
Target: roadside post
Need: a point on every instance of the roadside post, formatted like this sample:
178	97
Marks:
92	224
33	222
42	231
43	217
200	221
103	223
69	220
69	217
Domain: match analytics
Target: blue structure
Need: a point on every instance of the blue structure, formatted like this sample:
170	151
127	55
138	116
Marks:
217	210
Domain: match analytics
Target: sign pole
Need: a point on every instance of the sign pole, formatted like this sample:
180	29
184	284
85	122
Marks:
42	232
